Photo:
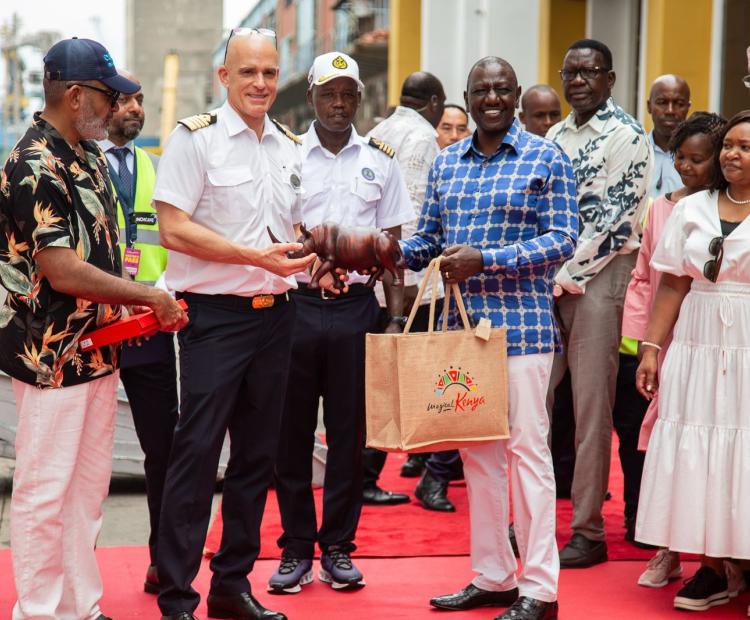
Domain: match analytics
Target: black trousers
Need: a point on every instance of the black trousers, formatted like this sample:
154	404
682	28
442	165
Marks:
152	394
233	365
328	361
627	416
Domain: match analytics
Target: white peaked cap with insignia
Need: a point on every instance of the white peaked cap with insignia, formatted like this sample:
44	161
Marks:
332	65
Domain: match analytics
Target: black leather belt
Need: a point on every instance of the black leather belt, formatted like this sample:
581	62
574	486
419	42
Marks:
355	290
235	302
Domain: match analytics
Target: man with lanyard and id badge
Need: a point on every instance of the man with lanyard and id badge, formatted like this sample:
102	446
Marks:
148	368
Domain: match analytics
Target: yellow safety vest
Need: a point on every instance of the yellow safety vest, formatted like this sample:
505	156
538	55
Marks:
153	259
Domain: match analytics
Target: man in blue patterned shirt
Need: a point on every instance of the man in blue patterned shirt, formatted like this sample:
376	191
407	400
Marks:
500	206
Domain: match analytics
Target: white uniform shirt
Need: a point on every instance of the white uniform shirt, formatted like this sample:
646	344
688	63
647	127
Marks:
235	185
415	143
359	186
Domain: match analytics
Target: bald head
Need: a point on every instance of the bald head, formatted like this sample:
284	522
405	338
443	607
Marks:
669	104
422	91
540	109
250	74
129	75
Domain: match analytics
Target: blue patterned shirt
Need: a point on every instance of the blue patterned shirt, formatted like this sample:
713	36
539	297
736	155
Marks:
519	208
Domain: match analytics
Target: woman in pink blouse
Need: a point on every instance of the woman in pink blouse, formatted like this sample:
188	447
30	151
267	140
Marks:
692	144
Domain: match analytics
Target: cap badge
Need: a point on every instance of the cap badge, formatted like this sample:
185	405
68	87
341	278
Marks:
368	174
108	60
340	63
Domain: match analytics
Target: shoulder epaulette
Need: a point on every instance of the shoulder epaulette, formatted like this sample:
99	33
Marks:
382	146
199	121
286	131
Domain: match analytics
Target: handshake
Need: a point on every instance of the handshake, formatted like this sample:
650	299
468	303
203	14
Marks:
368	251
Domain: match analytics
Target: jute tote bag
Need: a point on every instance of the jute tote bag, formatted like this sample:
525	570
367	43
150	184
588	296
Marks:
436	390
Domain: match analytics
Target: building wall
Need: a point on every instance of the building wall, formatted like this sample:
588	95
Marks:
457	33
192	28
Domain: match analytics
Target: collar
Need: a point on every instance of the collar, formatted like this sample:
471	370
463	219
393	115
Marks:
413	116
511	139
235	125
59	143
108	145
597	121
656	147
311	141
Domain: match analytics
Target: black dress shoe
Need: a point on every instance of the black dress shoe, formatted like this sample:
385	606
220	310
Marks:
183	615
472	597
414	465
376	496
240	607
526	608
151	583
433	494
580	552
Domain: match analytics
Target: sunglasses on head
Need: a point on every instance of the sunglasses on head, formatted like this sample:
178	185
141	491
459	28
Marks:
112	95
264	32
712	266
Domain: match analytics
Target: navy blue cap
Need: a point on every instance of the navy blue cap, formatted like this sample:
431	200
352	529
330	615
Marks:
84	59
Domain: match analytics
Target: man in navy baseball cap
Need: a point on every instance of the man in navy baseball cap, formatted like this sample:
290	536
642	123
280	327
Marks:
83	60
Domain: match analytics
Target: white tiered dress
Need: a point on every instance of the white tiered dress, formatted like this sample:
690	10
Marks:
695	492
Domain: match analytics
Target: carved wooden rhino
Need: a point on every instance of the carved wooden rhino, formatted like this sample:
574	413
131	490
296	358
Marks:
366	250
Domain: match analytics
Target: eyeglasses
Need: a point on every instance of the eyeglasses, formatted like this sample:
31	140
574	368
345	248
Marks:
712	267
587	73
112	95
265	32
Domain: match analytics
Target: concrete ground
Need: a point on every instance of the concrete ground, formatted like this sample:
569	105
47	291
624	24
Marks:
125	510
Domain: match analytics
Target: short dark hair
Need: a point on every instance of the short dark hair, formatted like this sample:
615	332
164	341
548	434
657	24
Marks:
719	182
699	122
593	44
457	107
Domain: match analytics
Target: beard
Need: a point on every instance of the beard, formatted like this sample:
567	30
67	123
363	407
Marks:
90	126
129	132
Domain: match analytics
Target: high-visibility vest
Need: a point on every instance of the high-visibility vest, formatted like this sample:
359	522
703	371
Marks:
153	260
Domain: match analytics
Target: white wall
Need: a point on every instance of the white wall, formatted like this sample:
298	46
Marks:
457	33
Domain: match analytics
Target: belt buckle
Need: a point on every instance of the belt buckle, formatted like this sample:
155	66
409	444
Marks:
261	302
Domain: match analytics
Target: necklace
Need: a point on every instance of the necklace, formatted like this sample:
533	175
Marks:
737	202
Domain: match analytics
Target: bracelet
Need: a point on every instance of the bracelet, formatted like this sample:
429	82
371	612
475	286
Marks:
645	343
401	320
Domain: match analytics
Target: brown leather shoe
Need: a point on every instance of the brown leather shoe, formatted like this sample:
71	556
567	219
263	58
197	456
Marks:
472	597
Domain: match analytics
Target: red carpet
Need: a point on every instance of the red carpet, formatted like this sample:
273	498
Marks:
408	530
397	588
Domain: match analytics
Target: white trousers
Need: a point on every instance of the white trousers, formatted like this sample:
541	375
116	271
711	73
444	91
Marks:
526	455
63	467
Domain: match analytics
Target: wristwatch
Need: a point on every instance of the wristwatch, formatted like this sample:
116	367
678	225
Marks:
400	320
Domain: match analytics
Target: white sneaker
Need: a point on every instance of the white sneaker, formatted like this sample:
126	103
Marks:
735	579
665	565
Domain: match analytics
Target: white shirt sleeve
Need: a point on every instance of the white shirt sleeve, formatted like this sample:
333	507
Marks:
395	206
180	177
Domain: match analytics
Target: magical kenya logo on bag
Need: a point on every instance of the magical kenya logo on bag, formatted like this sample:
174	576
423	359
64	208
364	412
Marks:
464	396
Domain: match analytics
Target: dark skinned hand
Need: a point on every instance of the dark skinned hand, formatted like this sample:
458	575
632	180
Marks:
460	262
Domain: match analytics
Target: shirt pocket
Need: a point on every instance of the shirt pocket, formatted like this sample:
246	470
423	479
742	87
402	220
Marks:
231	192
367	194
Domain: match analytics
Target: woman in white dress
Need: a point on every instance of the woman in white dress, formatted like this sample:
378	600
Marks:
695	493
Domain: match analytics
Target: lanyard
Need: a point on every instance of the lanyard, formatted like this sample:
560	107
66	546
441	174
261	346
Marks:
127	204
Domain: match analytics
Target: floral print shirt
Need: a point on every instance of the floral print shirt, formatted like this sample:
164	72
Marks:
611	159
51	197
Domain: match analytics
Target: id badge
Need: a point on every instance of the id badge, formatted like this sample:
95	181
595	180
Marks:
132	260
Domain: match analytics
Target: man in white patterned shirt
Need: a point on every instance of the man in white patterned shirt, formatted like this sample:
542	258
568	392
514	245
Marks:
612	162
410	130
